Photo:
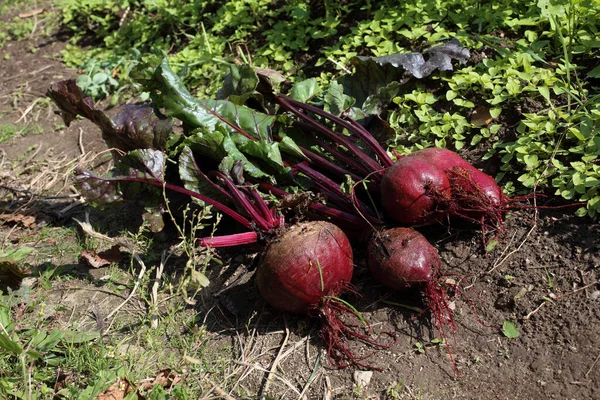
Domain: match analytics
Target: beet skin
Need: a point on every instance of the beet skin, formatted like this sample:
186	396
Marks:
309	261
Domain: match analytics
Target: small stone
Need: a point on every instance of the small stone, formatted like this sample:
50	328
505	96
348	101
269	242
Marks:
595	295
362	378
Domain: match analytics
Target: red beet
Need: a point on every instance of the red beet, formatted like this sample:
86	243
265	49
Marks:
402	258
415	192
463	176
308	262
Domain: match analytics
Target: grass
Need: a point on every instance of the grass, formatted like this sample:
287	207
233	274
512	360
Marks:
88	357
9	131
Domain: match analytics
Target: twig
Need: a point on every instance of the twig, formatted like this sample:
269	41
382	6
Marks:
579	290
80	141
218	391
592	367
327	394
28	73
534	311
89	289
35	153
497	264
68	208
154	294
584	284
28	110
124	17
137	283
294	347
339	65
275	362
276	376
3	159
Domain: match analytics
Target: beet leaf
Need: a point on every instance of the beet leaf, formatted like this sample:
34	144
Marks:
134	127
249	130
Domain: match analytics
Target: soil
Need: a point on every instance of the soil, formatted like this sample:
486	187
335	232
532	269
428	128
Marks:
542	276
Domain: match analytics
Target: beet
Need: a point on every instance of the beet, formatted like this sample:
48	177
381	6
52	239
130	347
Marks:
309	261
415	192
304	270
402	258
464	178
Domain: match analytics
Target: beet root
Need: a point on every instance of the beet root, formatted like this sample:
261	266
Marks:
309	261
401	258
470	193
304	271
415	192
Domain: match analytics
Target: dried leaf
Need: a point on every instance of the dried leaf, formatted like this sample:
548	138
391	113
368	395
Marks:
62	380
103	258
33	13
116	391
12	268
165	378
27	221
481	116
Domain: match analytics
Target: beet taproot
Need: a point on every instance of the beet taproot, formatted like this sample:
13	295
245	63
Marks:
309	261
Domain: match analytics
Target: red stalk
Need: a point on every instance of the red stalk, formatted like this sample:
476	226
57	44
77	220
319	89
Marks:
334	213
242	201
332	190
230	240
352	126
219	206
371	164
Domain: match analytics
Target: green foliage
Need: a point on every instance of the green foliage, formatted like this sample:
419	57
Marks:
9	131
509	330
533	74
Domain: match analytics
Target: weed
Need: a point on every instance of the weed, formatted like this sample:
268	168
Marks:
10	131
394	390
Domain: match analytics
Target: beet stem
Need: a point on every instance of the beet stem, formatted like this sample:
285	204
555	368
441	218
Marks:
328	165
353	127
219	206
371	164
229	240
338	215
332	190
245	204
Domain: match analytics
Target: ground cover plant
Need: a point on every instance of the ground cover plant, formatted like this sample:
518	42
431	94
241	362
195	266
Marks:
166	317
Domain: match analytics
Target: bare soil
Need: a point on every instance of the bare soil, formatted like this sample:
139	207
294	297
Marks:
543	276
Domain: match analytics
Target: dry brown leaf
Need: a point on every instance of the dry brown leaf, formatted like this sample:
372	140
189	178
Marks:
62	380
165	378
27	221
116	391
481	116
103	258
12	274
33	13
